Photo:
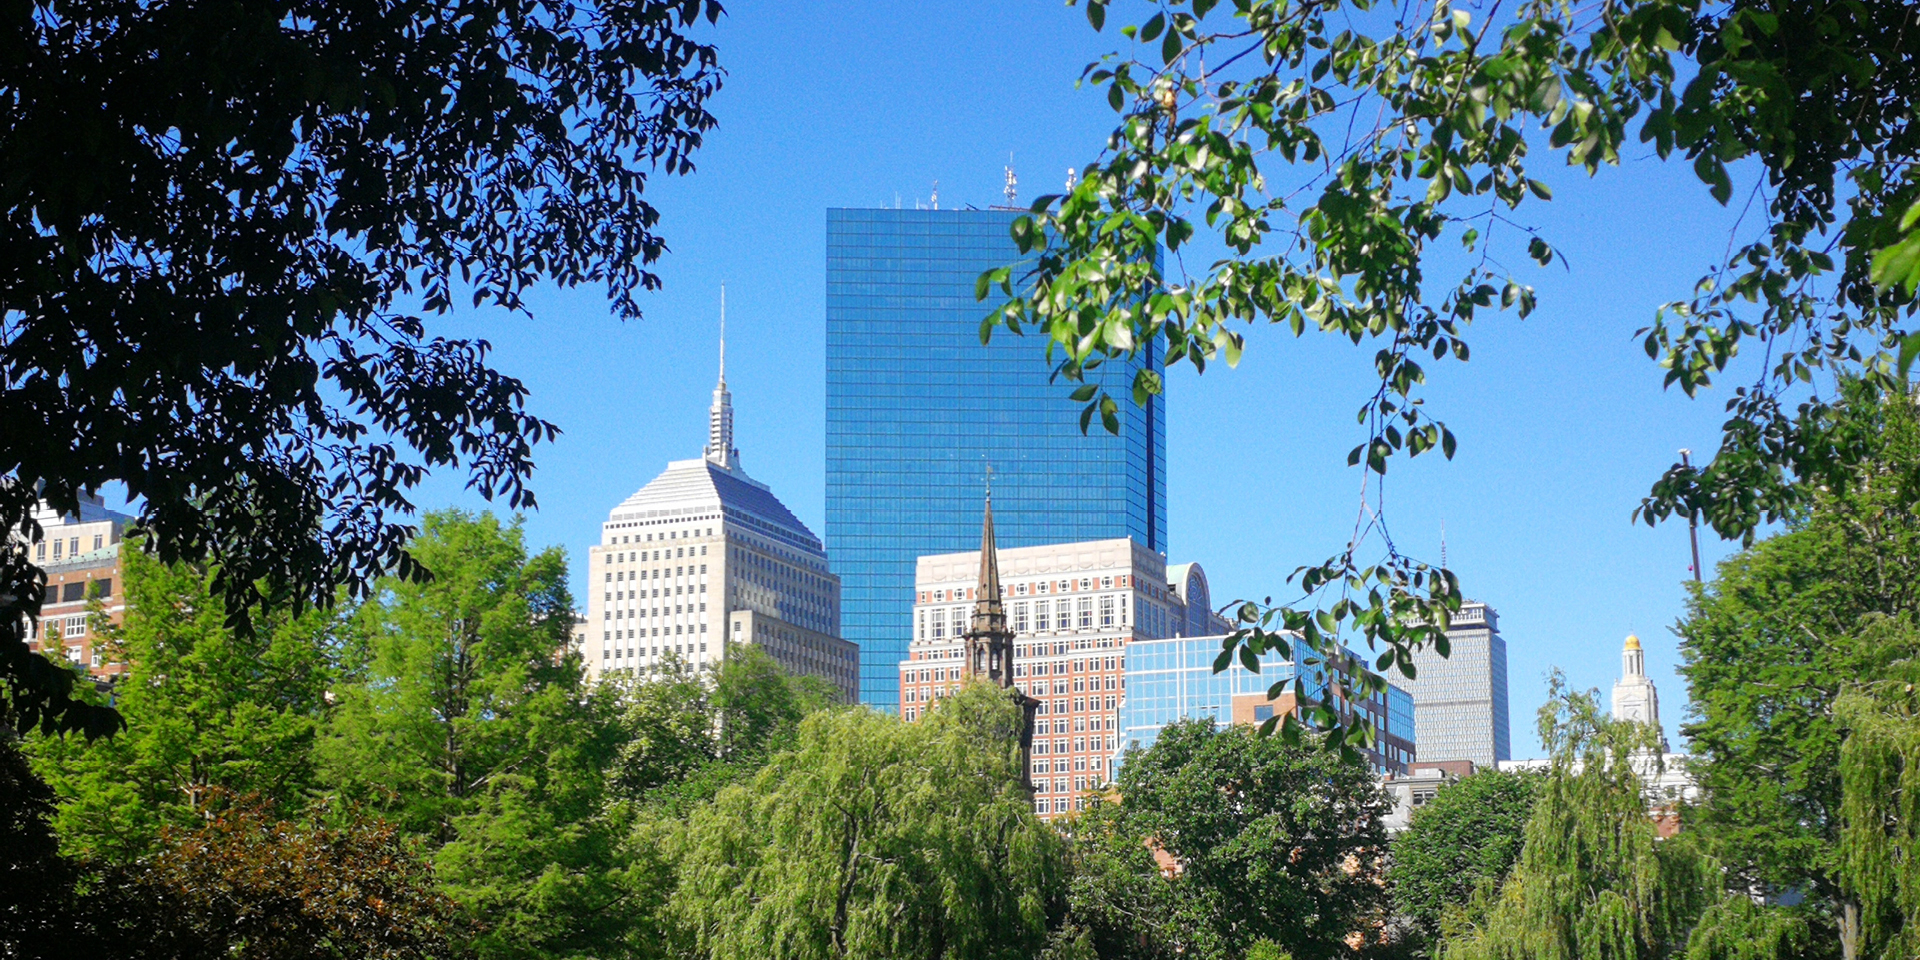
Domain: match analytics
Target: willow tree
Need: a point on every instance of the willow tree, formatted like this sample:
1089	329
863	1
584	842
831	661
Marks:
877	838
1594	879
1880	803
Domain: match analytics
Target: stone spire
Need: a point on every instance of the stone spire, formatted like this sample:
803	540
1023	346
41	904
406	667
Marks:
720	451
989	614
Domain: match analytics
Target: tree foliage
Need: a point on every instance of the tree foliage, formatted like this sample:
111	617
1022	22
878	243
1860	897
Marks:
877	838
1460	847
1337	151
470	727
1593	880
1880	798
1775	640
225	228
1265	840
248	886
218	711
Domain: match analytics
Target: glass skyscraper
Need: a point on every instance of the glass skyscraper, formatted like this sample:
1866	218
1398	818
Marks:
917	409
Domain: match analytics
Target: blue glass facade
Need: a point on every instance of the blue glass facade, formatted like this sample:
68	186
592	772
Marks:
1172	679
917	408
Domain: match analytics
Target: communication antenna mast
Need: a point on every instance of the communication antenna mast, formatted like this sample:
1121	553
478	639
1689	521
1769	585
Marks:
1443	545
1013	182
1073	177
936	194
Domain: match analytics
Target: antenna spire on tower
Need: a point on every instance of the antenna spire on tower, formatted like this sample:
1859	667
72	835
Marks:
720	449
1013	182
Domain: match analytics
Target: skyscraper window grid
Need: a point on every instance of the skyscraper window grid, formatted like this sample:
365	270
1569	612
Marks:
917	409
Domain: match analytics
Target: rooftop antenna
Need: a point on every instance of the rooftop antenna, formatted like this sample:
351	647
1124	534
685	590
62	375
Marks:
723	333
1013	182
936	194
1693	520
1072	177
1443	544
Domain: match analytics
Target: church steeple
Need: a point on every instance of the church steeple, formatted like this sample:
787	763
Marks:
989	615
987	648
720	451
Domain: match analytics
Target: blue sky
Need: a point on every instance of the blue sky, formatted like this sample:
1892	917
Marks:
1562	421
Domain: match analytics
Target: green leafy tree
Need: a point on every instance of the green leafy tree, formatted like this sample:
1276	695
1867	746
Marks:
1265	840
1880	798
38	918
683	736
470	727
217	710
218	289
1320	166
1772	643
876	838
1460	847
1593	880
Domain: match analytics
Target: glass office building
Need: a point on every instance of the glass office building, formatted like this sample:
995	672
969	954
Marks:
917	409
1172	679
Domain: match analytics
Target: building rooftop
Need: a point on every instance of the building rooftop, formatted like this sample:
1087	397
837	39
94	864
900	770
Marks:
691	486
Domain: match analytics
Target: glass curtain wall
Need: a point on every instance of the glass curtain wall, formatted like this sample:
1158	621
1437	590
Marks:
917	409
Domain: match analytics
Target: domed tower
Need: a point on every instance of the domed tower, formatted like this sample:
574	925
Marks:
1634	697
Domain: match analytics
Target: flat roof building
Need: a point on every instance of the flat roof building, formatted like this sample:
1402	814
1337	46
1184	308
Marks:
1074	610
1172	679
81	556
918	409
1462	698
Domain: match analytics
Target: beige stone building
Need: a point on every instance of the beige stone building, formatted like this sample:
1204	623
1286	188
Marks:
705	555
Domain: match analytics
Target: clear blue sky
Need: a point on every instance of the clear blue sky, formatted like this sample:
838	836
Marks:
1562	421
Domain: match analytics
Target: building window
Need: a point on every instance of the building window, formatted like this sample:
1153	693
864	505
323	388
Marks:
1020	617
1086	613
76	626
939	624
1106	611
1040	618
99	540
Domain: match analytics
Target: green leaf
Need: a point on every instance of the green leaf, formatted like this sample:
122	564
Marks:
1097	13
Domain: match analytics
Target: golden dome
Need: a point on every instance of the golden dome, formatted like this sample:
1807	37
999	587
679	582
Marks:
1633	642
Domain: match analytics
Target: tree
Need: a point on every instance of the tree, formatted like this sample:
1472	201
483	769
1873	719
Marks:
37	917
1336	151
248	886
876	838
683	738
1775	640
1460	847
470	728
1265	840
1593	879
1880	798
217	710
224	229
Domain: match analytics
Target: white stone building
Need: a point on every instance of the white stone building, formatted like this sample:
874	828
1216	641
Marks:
705	555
